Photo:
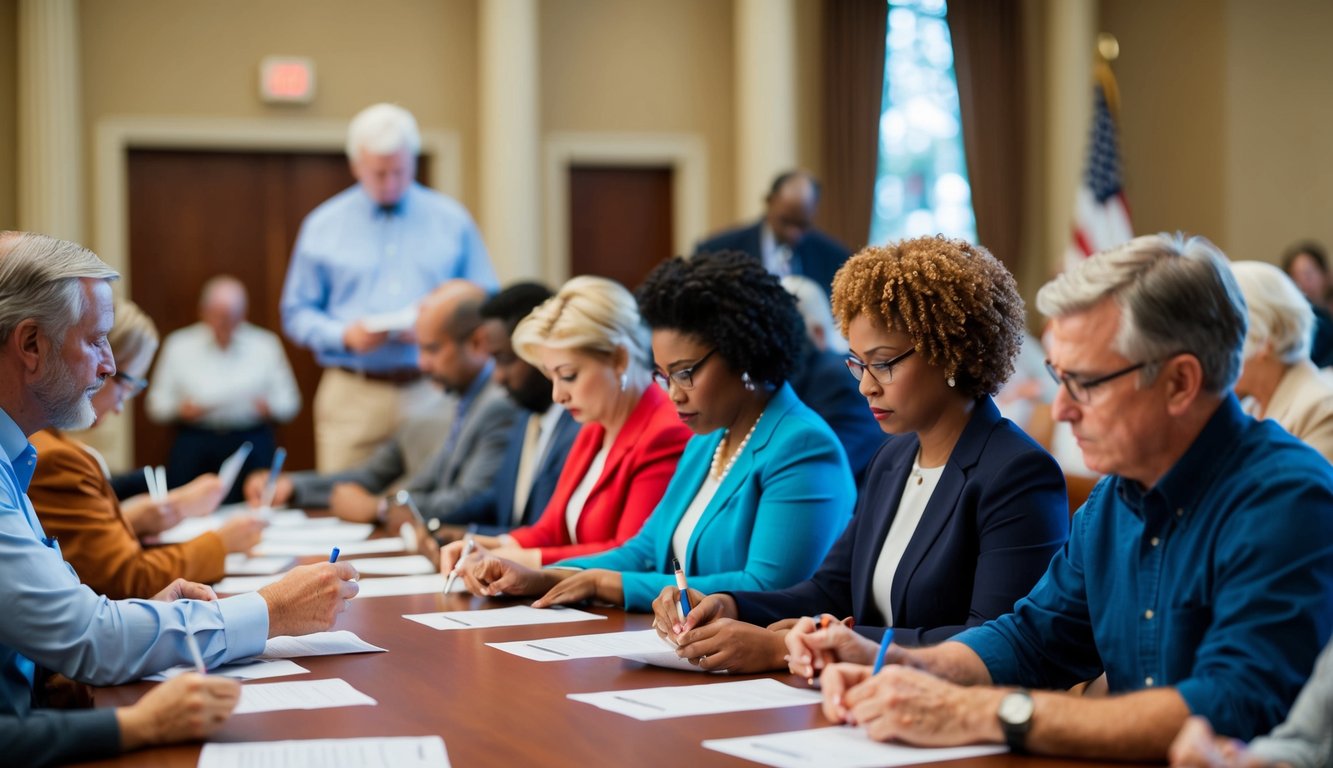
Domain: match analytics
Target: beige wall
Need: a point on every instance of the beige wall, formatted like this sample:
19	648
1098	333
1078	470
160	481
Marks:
8	120
1226	107
200	59
1279	119
639	67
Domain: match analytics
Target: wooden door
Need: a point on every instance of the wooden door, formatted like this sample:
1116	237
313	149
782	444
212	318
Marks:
620	221
196	214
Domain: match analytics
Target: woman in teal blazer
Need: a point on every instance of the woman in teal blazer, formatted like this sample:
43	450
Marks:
762	490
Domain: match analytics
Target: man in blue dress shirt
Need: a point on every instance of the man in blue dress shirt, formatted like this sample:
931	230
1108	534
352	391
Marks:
362	260
55	313
1198	577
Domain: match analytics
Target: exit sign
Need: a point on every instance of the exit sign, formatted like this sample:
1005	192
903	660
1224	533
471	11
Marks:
287	80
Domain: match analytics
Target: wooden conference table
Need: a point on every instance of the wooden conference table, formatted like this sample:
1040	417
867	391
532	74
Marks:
496	709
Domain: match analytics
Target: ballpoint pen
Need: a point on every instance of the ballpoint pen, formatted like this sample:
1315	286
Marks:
883	649
195	654
468	549
333	556
683	606
271	487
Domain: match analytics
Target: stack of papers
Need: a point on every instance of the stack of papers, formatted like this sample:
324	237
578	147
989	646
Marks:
513	616
304	694
586	646
713	699
837	748
393	752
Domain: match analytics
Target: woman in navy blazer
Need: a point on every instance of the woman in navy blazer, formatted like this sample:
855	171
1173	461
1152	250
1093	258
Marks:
934	326
764	487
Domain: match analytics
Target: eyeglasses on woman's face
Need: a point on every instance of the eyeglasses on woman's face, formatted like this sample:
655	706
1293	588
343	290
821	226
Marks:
683	378
880	371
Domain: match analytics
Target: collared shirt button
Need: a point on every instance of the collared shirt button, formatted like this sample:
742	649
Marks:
1148	681
1148	614
1155	541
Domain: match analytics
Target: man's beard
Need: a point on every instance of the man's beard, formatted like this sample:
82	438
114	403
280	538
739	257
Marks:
64	404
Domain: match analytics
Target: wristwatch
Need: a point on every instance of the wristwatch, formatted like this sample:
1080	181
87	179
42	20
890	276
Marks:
1015	715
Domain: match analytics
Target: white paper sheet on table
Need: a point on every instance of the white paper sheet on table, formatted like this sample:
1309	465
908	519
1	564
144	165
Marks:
190	528
667	660
392	586
837	747
317	644
235	585
336	533
383	752
249	669
348	549
585	646
237	564
404	565
301	694
513	616
709	699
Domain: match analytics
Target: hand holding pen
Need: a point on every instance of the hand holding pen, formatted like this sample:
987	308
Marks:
468	548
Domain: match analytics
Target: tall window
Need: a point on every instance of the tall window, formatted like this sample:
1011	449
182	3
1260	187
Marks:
921	185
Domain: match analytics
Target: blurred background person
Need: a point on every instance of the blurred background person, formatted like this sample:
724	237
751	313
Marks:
820	379
360	259
590	342
222	382
1307	264
452	352
763	487
1278	380
72	495
785	239
960	511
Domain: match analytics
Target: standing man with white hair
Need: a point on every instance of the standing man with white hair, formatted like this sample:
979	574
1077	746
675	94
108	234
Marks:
362	257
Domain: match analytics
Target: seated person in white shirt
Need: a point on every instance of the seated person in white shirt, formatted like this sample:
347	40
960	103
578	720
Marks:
222	382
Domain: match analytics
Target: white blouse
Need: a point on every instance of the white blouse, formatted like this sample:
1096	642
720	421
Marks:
680	540
916	494
574	510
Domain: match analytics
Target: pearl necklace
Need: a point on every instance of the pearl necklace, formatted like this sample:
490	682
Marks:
717	454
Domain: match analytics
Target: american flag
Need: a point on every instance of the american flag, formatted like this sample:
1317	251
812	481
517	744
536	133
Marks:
1101	213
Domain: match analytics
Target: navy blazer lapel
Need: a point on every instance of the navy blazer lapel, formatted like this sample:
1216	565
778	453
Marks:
890	493
943	504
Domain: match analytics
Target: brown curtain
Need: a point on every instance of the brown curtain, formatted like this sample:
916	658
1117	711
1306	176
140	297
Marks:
854	32
988	60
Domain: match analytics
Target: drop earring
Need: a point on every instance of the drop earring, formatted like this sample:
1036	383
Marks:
747	381
624	381
951	382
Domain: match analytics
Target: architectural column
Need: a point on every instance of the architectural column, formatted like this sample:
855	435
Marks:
765	32
510	209
1071	33
50	157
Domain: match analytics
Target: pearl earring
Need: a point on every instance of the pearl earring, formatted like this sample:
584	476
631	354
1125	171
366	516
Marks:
951	382
747	381
624	382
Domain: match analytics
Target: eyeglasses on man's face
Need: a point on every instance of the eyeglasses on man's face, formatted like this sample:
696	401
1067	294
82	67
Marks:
133	385
881	372
684	378
1080	388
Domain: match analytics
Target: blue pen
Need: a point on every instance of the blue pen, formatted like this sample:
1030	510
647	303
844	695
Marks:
333	556
271	486
883	649
682	587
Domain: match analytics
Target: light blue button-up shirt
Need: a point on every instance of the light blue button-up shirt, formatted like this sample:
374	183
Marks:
48	617
351	260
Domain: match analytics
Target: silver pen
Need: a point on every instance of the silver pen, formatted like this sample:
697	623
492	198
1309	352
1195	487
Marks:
468	548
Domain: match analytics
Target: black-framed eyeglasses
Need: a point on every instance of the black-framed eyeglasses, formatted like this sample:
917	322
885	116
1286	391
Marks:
684	378
1080	389
133	384
881	372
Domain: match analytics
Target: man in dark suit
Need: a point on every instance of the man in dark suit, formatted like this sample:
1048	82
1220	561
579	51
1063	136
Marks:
538	442
785	239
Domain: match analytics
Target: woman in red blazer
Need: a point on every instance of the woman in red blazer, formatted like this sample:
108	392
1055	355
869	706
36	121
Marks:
589	341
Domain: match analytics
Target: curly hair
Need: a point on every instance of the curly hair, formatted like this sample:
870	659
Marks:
957	303
729	301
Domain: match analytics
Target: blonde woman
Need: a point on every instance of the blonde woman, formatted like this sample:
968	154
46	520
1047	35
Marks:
590	342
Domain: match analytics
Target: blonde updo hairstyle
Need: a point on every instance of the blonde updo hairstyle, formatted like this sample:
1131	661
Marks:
955	301
592	315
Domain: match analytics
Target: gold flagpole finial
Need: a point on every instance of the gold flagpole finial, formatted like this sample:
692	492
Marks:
1108	47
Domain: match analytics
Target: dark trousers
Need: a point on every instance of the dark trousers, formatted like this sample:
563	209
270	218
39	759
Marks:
197	451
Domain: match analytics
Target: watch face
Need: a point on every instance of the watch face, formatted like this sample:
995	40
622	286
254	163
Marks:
1016	708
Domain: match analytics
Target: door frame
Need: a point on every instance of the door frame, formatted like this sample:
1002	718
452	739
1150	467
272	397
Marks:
685	153
116	136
